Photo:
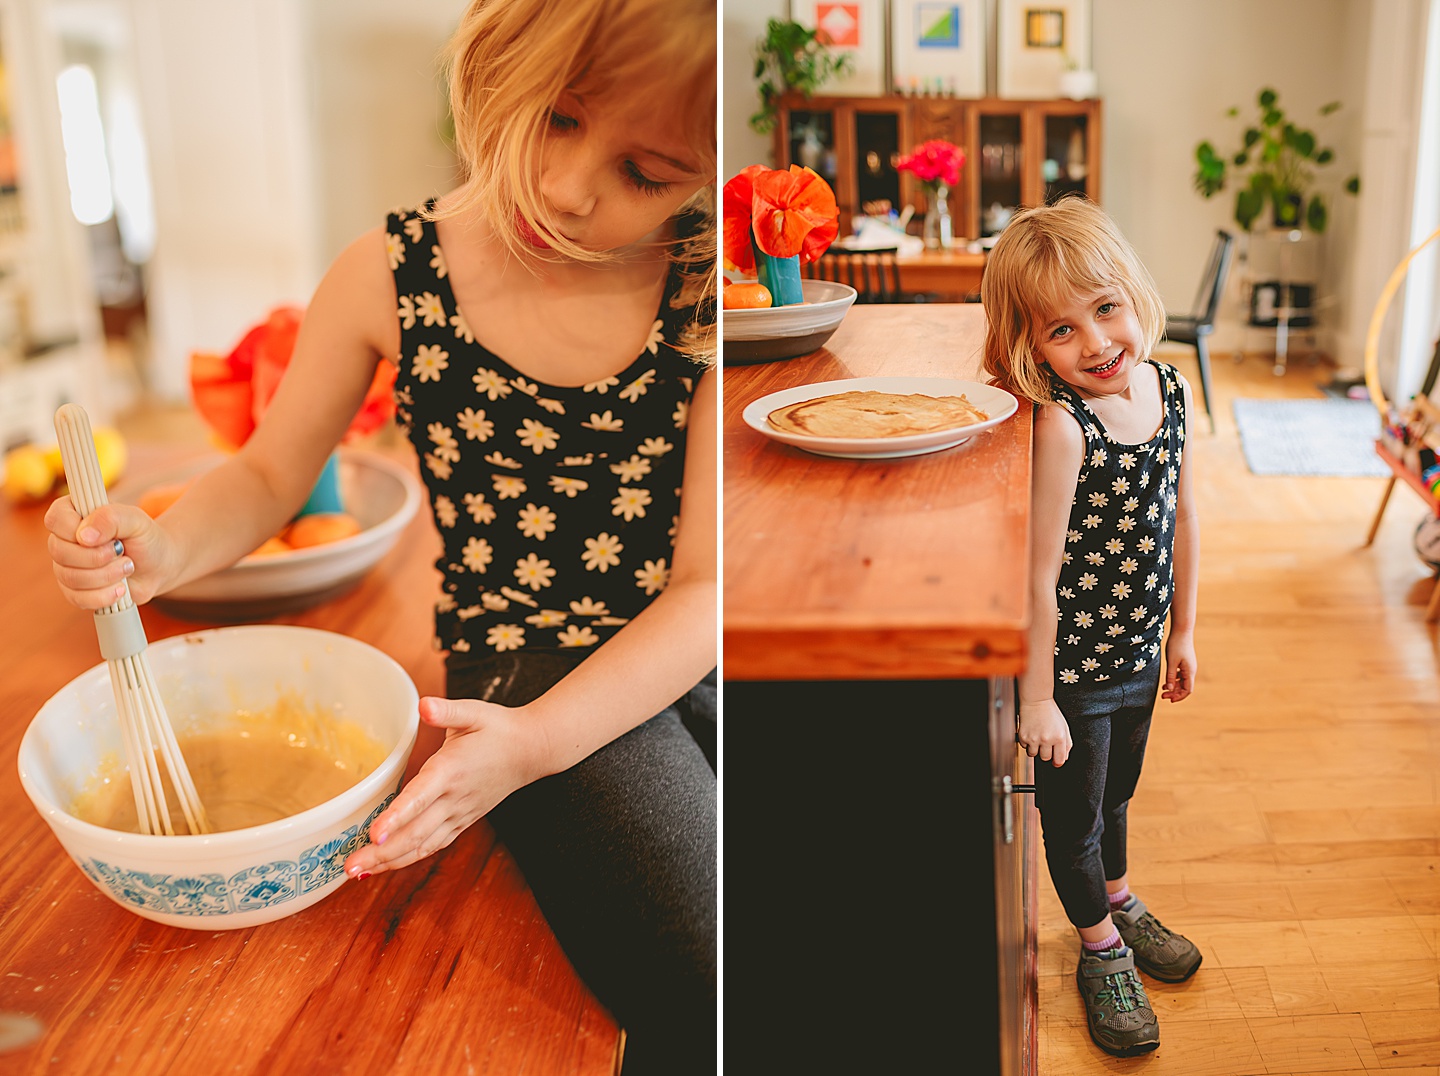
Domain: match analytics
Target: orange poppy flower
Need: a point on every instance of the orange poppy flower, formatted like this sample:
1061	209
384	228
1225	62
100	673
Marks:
788	211
232	391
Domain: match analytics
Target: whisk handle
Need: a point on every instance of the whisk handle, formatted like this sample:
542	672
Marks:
82	465
118	626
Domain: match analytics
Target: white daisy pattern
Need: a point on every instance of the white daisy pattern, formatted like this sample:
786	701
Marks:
429	363
601	552
557	504
1120	531
536	521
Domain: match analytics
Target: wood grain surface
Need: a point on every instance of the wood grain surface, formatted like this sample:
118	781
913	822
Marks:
445	966
875	569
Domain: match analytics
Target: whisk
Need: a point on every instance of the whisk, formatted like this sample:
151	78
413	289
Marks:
144	724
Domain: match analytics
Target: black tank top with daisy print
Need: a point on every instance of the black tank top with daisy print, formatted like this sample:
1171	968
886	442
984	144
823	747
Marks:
558	506
1117	571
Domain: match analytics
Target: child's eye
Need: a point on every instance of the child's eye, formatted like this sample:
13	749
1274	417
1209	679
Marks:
641	182
561	122
1060	330
1104	308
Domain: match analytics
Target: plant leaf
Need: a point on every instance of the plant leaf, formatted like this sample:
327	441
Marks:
1247	207
1267	98
1316	216
1352	185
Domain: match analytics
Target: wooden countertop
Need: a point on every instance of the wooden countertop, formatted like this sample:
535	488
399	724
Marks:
445	966
909	568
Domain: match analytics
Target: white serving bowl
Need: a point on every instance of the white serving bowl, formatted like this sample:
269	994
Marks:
377	491
783	332
240	877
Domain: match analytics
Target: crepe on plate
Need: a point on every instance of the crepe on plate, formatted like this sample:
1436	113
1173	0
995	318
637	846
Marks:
875	414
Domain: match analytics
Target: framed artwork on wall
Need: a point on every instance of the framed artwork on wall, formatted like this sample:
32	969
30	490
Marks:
938	46
856	27
1037	40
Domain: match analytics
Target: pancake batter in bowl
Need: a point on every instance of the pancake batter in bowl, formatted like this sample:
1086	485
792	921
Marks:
249	769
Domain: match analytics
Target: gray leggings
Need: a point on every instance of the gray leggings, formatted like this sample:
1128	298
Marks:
1083	803
620	851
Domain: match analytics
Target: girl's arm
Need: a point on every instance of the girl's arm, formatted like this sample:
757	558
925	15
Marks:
233	508
491	750
1059	452
1180	665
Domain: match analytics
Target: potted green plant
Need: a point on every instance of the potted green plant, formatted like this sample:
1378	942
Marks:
791	58
1274	165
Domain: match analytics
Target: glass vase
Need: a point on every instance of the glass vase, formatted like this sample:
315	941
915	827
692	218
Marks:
936	230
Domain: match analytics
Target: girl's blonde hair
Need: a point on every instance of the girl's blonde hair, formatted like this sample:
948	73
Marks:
509	61
1043	258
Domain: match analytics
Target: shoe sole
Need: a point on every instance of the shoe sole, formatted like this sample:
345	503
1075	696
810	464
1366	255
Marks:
1168	977
1134	1050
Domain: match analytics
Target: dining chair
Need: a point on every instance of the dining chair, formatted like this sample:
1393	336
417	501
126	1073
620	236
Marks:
874	272
1195	327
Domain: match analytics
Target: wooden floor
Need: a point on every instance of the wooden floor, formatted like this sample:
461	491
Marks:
1288	820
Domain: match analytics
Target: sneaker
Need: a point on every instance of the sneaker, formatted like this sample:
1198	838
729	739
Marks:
1159	951
1116	1008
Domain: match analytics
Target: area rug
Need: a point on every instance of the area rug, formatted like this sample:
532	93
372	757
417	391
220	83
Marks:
1328	438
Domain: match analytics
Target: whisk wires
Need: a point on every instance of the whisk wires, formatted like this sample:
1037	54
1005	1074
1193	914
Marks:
145	727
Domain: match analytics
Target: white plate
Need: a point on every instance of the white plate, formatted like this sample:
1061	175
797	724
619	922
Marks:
997	403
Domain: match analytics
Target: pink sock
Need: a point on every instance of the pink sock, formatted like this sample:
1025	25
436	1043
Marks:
1112	942
1117	899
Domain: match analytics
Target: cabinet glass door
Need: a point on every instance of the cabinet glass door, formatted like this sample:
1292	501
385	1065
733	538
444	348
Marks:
877	144
812	142
1000	170
1067	156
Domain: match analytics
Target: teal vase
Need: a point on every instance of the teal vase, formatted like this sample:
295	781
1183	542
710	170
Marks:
325	497
781	276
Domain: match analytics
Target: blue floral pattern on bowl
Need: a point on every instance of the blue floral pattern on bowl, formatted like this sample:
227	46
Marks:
251	889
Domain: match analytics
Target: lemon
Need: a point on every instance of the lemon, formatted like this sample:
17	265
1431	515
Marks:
110	450
28	476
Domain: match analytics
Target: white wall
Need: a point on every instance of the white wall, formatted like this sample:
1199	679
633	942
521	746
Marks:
1168	70
377	110
744	25
230	165
277	131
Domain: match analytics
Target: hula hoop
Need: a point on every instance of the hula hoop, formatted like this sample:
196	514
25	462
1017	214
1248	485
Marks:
1377	320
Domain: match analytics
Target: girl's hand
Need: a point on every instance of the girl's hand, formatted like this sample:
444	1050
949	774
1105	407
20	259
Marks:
88	564
489	752
1180	667
1044	732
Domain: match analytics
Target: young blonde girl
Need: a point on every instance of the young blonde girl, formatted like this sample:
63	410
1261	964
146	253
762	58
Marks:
1072	318
552	320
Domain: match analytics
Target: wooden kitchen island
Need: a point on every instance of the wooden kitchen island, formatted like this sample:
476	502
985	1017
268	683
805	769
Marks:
879	898
444	966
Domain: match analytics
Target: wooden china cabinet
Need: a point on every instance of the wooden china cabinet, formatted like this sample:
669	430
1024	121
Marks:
1017	152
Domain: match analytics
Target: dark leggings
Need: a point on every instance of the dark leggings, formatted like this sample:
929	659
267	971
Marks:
620	852
1083	803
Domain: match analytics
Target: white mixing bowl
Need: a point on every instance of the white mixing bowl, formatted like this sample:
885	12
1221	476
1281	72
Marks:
241	877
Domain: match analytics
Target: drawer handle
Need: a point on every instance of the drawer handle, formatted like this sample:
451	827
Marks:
1005	788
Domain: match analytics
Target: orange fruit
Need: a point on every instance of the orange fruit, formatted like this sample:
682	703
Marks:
158	498
270	546
319	528
747	296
